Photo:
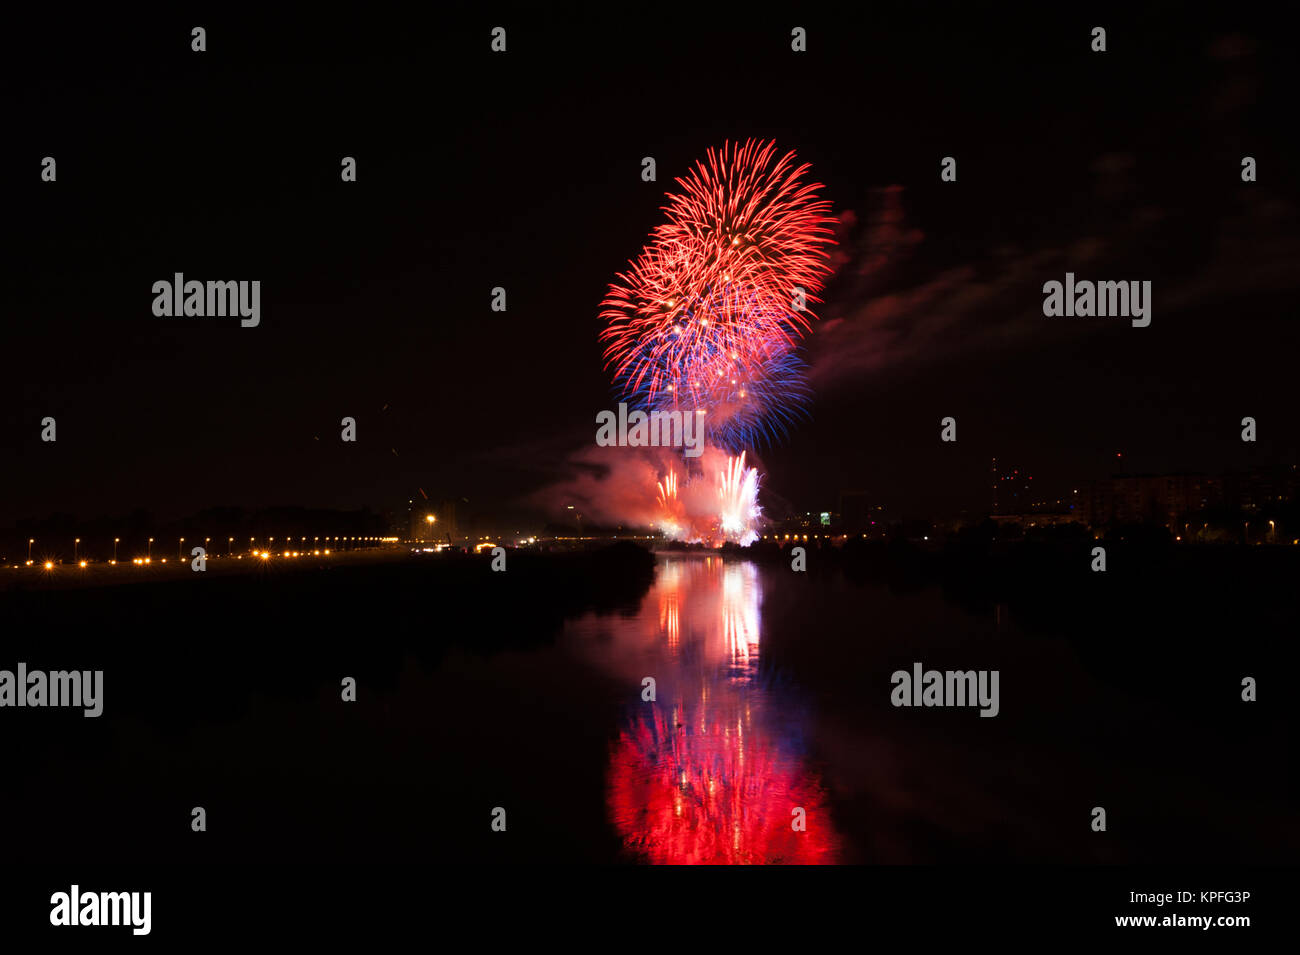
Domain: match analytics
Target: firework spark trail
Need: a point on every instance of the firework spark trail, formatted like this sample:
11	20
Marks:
713	292
738	501
672	517
752	220
710	314
668	489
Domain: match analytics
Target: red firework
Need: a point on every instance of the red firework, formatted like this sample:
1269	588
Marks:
712	295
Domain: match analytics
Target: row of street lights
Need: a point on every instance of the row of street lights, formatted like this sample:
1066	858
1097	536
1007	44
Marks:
207	544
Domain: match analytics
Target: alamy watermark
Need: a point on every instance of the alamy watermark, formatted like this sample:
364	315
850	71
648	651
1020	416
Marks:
656	429
1085	299
83	688
194	299
946	688
75	907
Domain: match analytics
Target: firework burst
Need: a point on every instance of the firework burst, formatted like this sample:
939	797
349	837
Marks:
715	295
710	315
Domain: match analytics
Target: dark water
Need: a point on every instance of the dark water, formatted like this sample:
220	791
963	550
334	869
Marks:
773	703
771	738
715	769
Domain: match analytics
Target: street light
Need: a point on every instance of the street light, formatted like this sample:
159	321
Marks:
115	540
30	542
179	545
76	546
230	546
150	551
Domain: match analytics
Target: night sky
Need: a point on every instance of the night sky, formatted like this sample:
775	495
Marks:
522	170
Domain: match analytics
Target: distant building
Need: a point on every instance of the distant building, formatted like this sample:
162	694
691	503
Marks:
859	512
1249	491
1039	518
1163	499
1151	498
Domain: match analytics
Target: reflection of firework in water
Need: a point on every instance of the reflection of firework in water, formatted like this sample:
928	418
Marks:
709	316
714	772
711	795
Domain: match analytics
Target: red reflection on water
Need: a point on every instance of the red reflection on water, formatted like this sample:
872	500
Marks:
719	797
712	771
